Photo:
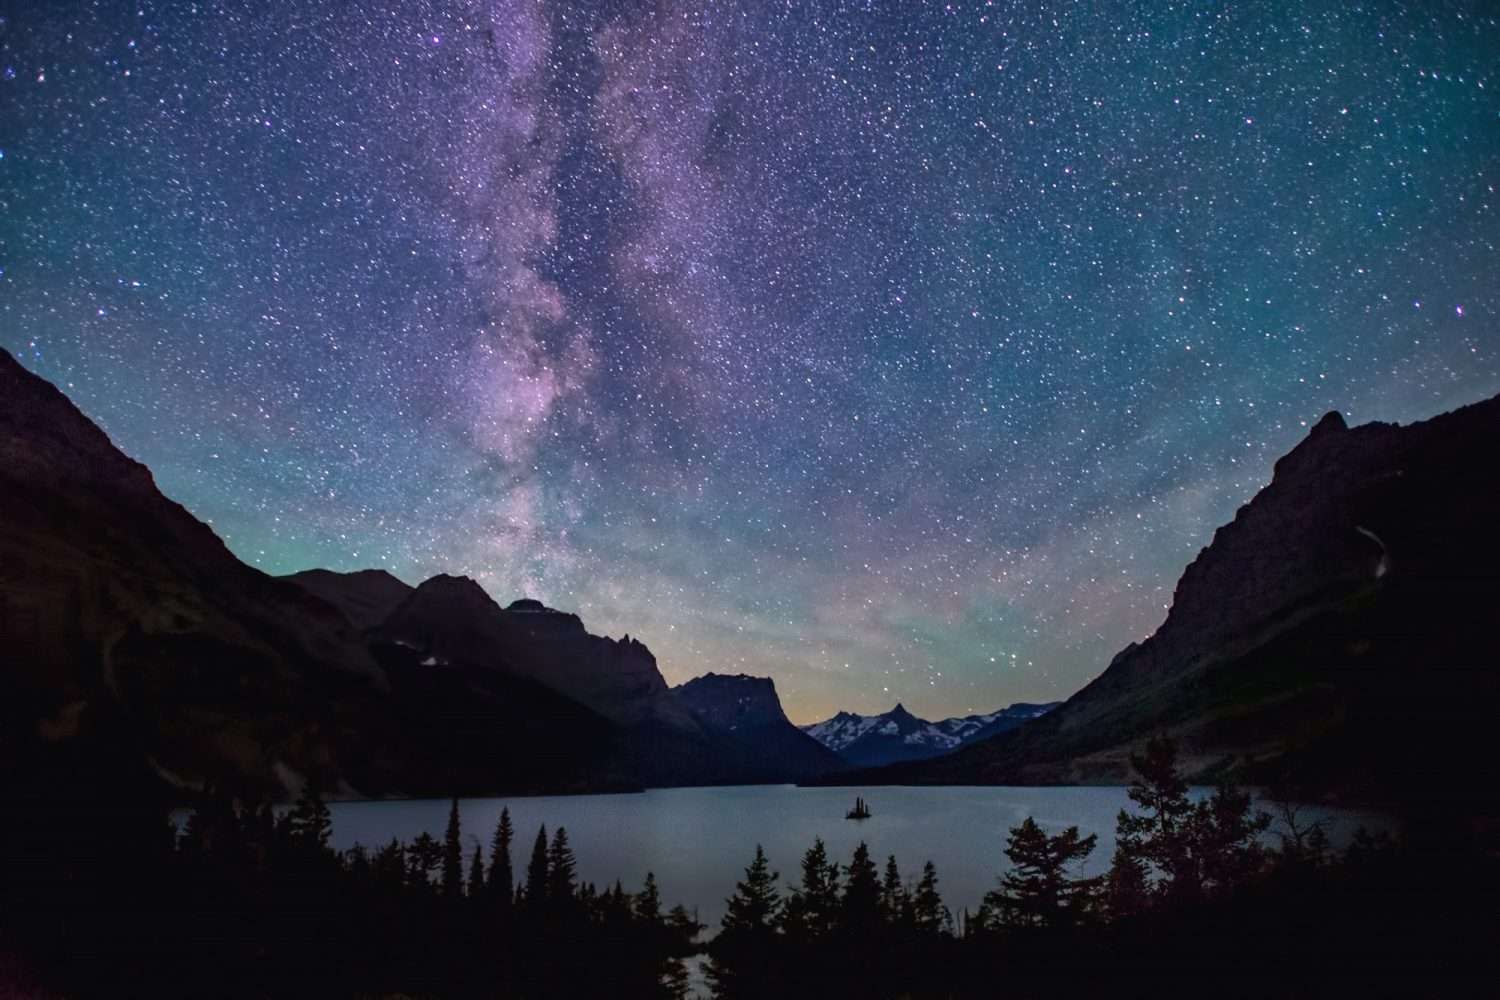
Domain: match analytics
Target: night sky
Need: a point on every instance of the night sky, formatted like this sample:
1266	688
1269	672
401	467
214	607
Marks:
897	352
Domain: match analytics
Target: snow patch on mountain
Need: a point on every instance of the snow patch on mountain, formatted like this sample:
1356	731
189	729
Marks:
899	735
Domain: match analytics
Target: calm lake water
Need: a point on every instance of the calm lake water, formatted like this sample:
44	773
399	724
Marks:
699	840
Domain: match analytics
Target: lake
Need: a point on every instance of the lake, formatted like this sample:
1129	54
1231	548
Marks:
699	840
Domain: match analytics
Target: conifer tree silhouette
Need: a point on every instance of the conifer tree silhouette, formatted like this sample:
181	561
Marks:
536	873
453	856
502	876
861	900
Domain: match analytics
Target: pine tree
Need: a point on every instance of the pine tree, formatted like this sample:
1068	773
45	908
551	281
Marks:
1037	891
560	869
1162	836
616	906
1127	887
861	901
1210	846
740	957
311	822
812	909
502	877
684	924
453	856
476	872
423	859
357	861
648	901
755	903
389	866
1226	837
928	912
675	980
893	901
536	872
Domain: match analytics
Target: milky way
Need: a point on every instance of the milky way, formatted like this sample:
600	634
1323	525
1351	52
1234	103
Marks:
897	351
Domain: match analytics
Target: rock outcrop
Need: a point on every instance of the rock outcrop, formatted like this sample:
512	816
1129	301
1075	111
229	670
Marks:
744	715
453	619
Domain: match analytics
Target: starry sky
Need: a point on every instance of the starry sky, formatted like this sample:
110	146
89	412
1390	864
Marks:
898	351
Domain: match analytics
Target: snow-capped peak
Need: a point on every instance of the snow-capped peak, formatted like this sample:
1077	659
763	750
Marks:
899	735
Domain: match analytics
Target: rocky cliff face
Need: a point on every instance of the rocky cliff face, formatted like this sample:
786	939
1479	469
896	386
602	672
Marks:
1334	634
733	702
452	619
745	716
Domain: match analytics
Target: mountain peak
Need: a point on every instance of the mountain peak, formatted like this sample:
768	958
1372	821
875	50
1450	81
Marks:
454	588
898	735
365	596
733	700
1331	423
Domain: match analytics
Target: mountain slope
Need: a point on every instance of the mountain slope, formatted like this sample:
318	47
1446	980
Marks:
897	735
745	716
133	634
1337	634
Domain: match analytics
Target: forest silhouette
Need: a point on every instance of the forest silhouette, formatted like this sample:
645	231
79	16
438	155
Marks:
1202	892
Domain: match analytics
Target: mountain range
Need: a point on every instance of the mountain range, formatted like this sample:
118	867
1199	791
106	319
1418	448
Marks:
1338	636
134	636
897	735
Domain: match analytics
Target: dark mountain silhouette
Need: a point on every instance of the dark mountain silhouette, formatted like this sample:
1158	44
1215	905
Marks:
1338	635
452	618
897	735
133	634
366	596
744	713
123	612
664	736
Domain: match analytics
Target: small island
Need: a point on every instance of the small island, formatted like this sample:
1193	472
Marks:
860	811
